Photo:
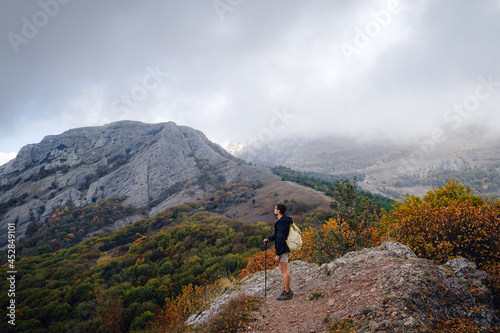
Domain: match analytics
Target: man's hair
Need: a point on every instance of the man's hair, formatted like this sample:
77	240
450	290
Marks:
282	208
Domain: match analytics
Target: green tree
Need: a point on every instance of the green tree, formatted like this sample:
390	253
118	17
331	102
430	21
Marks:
354	225
355	215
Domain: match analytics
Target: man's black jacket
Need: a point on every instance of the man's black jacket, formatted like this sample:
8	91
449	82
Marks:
281	230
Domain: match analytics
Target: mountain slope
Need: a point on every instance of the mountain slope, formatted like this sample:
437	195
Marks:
165	163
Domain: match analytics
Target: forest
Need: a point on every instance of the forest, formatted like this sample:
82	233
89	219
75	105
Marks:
150	275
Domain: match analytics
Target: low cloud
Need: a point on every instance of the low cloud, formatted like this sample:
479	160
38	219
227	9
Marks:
366	68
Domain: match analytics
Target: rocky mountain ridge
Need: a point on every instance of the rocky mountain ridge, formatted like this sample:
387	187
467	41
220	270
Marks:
382	289
165	163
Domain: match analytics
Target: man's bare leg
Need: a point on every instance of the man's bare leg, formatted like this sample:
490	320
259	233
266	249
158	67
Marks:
286	275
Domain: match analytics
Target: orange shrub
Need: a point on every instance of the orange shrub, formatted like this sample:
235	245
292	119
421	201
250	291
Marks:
257	262
334	239
450	222
177	310
459	325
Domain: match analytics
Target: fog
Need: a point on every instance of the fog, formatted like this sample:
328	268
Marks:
250	69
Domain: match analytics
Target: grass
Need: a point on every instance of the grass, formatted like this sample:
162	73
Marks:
344	325
317	295
235	315
369	310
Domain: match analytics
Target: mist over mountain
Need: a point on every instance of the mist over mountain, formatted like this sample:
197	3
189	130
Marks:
394	168
140	162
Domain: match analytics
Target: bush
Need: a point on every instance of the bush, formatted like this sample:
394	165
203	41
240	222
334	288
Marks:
451	222
141	321
459	325
235	315
177	310
333	240
258	262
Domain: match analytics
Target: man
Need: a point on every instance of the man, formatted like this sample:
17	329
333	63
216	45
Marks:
281	230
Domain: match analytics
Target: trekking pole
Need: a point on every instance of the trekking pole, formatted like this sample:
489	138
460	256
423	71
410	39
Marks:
265	271
264	248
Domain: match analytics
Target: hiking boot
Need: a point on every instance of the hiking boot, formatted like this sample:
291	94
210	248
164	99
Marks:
284	292
285	296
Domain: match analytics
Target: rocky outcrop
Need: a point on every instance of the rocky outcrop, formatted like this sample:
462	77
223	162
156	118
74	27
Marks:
164	163
383	289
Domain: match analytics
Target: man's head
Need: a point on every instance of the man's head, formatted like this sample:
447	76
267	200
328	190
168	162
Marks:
280	208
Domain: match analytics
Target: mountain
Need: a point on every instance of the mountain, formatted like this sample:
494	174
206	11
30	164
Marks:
391	168
154	166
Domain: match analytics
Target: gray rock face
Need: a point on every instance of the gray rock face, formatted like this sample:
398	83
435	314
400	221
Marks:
144	162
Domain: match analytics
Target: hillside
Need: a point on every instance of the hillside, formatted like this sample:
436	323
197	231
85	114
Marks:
382	289
127	273
390	168
69	281
161	163
146	167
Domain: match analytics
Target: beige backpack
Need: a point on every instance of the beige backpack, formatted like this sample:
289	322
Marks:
294	240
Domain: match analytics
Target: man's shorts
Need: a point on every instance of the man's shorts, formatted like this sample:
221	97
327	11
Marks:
285	257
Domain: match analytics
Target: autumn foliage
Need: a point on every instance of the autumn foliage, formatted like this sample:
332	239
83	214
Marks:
177	310
460	325
446	223
259	262
109	311
333	239
451	222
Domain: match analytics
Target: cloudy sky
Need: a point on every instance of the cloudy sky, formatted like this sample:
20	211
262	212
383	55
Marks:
248	68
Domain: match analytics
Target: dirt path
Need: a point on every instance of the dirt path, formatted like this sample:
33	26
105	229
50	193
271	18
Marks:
299	314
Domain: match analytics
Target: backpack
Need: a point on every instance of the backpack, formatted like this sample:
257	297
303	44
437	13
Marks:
294	240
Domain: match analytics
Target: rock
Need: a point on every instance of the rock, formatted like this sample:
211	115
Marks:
398	250
461	264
